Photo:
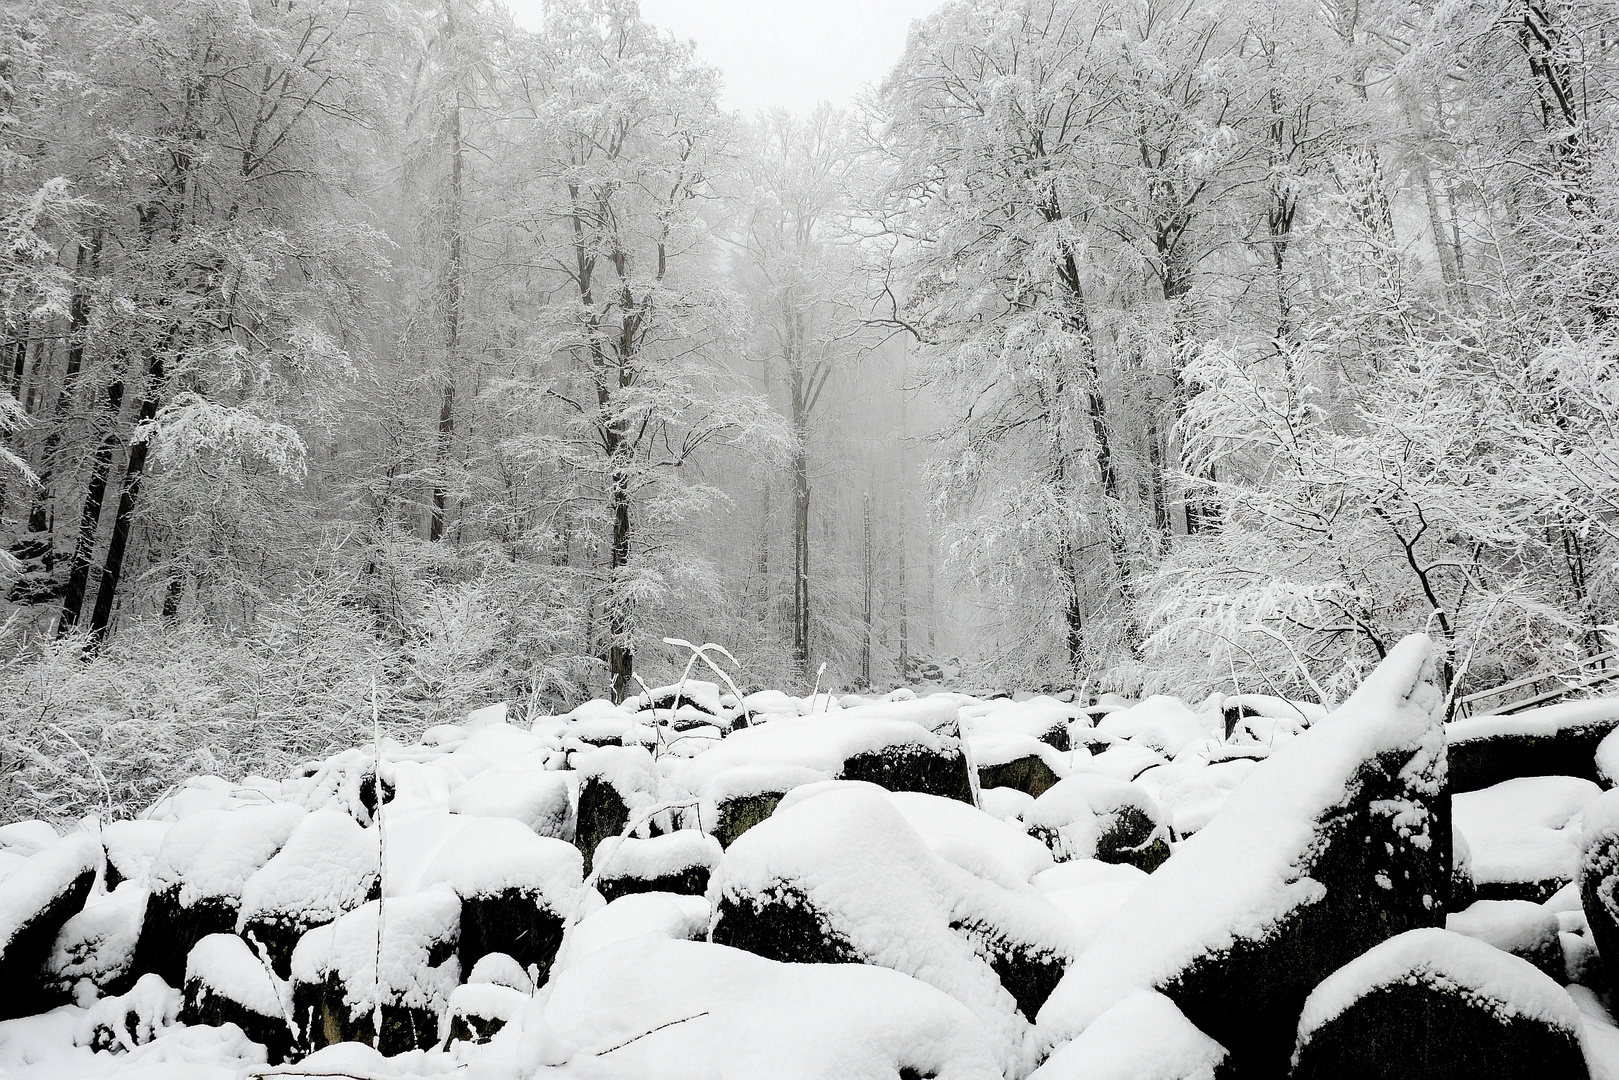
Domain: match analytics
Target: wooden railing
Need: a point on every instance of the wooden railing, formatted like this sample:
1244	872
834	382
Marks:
1544	688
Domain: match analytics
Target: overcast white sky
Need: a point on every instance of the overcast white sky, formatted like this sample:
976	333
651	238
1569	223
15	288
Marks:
793	53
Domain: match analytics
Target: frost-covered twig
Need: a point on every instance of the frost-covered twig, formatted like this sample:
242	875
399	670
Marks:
644	1034
382	863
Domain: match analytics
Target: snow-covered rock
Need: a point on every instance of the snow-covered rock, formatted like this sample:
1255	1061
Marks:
131	848
1162	723
1599	878
1528	931
1429	1004
328	866
1554	740
337	980
36	901
1013	759
1333	843
837	874
1089	892
615	783
98	943
1093	815
970	838
1524	834
685	1010
226	983
667	915
198	876
677	862
539	799
1143	1037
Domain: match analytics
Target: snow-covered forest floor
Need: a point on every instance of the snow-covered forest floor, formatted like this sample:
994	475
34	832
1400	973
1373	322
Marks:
693	885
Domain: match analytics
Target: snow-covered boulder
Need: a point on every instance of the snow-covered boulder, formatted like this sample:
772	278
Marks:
98	943
1555	740
538	799
327	866
677	862
1165	724
741	780
131	847
1528	931
337	980
131	1019
496	990
837	875
1599	879
198	876
1089	892
614	782
1332	844
36	900
665	915
1433	1004
227	984
972	838
1092	815
517	890
1523	835
1013	759
686	1010
1143	1037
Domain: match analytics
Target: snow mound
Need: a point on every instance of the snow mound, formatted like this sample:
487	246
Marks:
418	965
223	964
970	838
327	866
1143	1037
682	1010
1163	723
212	853
1524	834
1508	985
540	800
837	873
659	914
99	942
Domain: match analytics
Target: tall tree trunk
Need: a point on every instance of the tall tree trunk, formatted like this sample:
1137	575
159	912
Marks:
124	517
865	645
801	518
620	656
90	516
452	304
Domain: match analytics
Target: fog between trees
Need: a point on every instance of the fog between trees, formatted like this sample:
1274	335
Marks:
1125	346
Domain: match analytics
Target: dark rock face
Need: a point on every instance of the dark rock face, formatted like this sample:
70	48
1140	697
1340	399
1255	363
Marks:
1128	835
908	767
692	881
1536	892
515	921
1029	972
1248	996
740	813
206	1005
325	1020
170	931
1599	896
1027	774
602	813
465	1027
1424	1032
780	923
22	963
1484	761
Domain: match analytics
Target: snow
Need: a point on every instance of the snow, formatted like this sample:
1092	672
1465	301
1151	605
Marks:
1526	829
539	800
27	837
637	915
1599	819
656	857
214	852
501	970
1514	926
1607	759
327	866
1546	720
629	769
859	862
1236	877
1163	723
1002	747
1089	892
487	856
1063	812
1007	804
1511	986
27	890
151	1001
699	692
411	927
1122	760
132	846
937	712
819	743
1599	1037
682	1010
224	964
949	825
1143	1037
98	943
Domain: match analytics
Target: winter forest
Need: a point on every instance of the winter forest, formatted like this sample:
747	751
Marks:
1120	376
